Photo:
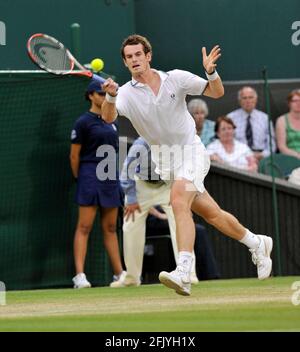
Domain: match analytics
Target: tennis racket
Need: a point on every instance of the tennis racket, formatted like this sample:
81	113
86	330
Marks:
52	56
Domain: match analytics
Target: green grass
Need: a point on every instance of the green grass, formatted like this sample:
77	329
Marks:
221	305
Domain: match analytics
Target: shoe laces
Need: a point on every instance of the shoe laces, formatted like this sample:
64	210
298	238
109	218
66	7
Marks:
182	272
81	277
257	255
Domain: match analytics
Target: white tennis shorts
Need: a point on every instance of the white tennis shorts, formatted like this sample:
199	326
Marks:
190	162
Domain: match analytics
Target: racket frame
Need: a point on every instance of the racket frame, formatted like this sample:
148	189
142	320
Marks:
82	70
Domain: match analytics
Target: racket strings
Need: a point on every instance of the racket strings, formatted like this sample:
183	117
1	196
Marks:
51	55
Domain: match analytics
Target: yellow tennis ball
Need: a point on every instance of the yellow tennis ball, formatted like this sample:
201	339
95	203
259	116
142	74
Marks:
97	65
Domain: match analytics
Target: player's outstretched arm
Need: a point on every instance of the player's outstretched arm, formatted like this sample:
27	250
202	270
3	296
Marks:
108	109
215	87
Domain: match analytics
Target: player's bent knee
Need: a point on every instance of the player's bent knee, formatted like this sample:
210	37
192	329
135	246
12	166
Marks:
179	205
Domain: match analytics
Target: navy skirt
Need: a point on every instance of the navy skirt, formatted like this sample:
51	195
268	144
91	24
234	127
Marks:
91	191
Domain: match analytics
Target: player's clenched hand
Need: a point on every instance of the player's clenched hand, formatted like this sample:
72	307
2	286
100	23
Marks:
209	61
110	87
130	209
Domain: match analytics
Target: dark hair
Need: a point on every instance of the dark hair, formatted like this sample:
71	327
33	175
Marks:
223	119
87	95
136	39
292	94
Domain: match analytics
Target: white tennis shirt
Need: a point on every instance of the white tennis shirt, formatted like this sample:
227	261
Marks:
162	119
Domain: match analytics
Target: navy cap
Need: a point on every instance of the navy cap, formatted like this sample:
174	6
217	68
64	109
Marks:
95	85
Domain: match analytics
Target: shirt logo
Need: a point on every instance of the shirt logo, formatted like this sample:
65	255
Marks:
73	134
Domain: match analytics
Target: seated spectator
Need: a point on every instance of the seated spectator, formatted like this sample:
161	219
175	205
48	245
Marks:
288	127
252	125
226	149
205	127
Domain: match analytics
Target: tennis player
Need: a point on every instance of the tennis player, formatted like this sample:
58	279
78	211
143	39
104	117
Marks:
90	132
154	102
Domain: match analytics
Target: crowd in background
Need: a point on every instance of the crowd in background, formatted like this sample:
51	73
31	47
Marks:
241	138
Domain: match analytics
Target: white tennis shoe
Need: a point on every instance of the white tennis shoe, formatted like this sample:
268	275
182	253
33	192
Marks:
179	280
80	281
261	257
124	281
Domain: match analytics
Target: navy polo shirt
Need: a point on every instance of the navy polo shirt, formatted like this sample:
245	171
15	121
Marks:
91	132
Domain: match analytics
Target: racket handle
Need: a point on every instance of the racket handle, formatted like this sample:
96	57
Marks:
99	79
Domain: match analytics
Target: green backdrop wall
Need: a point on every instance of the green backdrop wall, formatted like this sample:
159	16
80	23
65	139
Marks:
103	26
38	214
252	33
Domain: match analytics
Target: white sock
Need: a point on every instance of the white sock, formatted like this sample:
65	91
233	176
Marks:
250	240
185	259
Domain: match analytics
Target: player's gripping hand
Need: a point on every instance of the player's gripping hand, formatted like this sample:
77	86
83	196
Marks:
110	87
209	61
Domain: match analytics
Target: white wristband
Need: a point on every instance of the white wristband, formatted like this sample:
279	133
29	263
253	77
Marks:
212	76
110	98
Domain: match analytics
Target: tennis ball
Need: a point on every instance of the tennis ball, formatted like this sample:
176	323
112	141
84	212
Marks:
97	65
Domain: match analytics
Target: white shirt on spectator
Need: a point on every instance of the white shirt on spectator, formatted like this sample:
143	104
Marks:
260	127
238	157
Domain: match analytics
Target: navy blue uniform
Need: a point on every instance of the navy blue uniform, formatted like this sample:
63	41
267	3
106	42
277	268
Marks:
92	132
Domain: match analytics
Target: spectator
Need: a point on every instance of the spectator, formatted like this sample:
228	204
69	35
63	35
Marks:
288	127
252	125
205	127
226	149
